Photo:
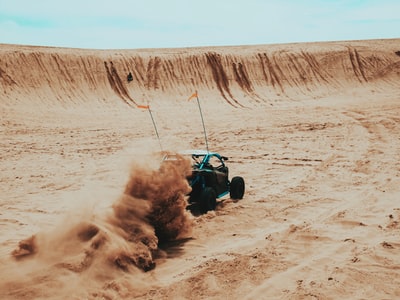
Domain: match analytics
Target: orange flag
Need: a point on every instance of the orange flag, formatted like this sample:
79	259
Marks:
193	96
143	106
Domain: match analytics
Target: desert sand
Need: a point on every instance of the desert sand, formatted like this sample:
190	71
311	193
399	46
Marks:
88	212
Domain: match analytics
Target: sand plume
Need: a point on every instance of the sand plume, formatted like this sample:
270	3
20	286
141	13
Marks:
165	188
151	210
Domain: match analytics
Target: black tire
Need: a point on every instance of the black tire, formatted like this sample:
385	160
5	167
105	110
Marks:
237	188
208	200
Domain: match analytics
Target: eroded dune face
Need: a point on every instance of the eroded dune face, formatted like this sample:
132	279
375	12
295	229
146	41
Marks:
260	74
313	129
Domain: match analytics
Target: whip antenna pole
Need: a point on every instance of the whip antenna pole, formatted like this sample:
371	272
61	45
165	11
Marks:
154	123
202	120
155	128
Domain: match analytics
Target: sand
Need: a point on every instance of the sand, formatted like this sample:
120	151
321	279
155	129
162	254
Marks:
89	212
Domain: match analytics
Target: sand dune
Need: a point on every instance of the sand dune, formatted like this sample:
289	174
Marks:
313	128
259	74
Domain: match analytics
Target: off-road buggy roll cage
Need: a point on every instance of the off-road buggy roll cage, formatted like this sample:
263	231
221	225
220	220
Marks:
210	179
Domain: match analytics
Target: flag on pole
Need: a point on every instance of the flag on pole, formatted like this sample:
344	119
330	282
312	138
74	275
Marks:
143	106
194	95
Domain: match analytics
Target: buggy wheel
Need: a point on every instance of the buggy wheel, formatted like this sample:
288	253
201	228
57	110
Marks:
208	200
237	187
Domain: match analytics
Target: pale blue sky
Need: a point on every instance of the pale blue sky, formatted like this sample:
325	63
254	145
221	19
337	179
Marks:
125	24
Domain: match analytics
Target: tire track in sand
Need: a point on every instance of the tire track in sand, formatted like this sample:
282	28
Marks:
117	85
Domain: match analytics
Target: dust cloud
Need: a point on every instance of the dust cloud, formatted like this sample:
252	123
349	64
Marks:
107	249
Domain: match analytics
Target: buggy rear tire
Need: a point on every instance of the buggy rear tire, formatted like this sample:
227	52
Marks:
237	188
208	200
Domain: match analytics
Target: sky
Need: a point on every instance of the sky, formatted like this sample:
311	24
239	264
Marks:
133	24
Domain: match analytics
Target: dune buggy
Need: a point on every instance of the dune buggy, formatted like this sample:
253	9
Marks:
210	180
